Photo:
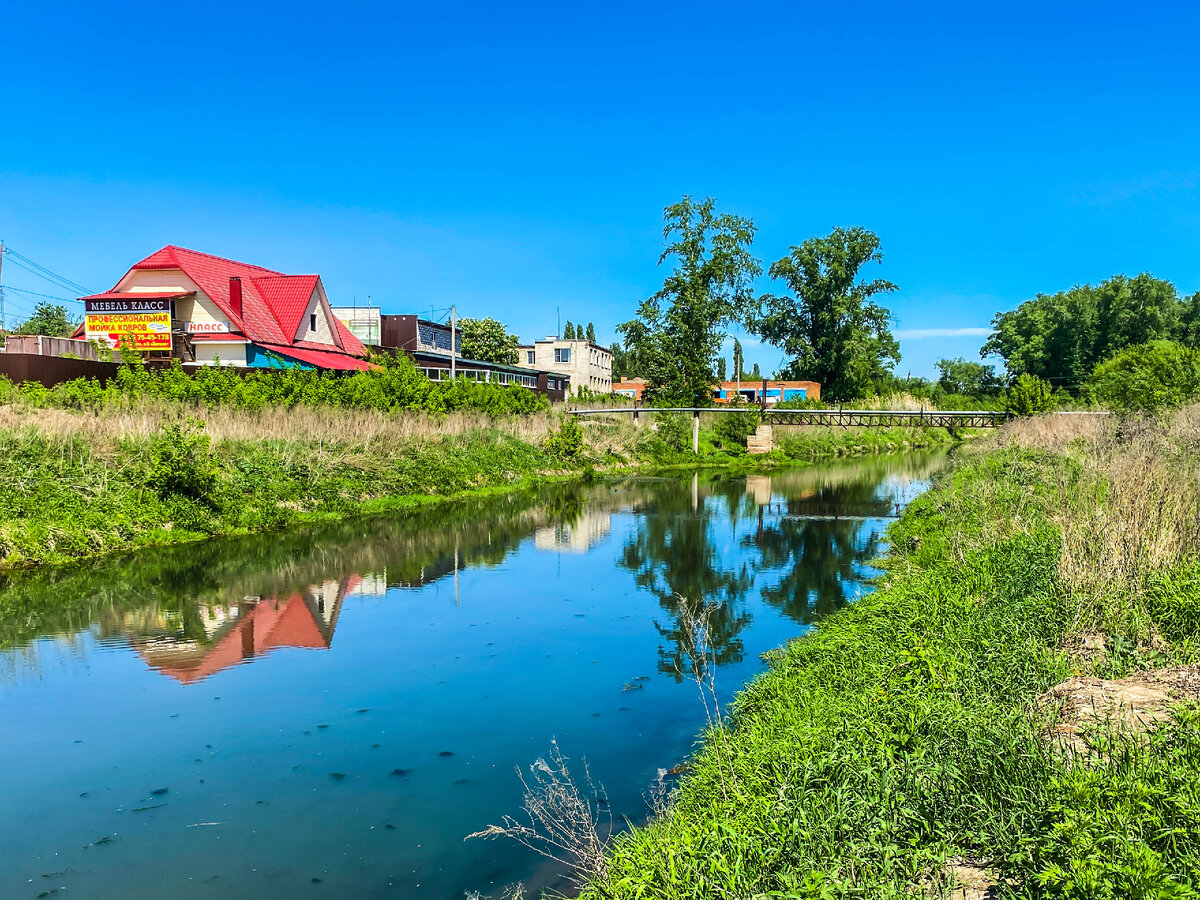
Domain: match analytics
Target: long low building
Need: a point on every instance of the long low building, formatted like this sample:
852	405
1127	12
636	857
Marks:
732	391
431	347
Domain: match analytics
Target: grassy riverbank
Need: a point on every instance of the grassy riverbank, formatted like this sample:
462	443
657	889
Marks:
903	747
128	473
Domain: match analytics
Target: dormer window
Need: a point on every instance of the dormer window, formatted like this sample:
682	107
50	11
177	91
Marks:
312	322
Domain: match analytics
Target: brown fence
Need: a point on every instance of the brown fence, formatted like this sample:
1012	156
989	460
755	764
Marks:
51	346
52	370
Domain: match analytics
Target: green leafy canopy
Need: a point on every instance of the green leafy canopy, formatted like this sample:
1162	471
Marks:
831	327
678	331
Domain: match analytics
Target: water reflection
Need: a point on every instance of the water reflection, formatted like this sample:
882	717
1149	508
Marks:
348	702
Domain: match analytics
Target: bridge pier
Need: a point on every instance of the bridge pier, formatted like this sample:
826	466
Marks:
762	441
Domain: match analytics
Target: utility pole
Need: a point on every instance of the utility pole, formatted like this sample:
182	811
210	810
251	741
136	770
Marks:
1	285
453	340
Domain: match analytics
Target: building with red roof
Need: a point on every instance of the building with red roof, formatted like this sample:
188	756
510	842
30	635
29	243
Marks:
231	312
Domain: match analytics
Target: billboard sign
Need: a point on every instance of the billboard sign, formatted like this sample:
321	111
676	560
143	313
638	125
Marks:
206	327
144	323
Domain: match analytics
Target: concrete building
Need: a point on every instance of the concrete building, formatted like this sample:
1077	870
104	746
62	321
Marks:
588	365
428	344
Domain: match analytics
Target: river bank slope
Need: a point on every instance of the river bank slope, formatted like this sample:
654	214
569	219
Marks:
76	483
932	734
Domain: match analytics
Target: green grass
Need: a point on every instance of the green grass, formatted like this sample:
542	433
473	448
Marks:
900	733
65	498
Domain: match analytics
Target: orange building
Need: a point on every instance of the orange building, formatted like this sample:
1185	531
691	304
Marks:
776	391
630	387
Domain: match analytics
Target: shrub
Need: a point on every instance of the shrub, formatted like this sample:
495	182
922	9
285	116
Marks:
733	428
397	385
674	430
1029	396
1147	377
181	463
566	443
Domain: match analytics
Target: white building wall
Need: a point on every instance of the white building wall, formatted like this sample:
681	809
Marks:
590	365
323	333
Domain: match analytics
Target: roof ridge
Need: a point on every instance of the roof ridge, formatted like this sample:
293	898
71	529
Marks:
224	259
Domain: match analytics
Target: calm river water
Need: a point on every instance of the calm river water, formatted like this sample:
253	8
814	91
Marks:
328	713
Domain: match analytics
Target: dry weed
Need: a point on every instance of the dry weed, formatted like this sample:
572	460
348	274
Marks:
563	825
343	427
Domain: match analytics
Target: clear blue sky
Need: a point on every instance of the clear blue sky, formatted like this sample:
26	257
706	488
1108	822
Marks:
516	158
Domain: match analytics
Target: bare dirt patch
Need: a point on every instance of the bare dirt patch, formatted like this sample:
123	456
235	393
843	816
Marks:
964	878
1131	705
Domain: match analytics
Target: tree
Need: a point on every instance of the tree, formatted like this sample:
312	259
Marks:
1147	377
834	332
738	359
1188	332
721	369
754	374
49	319
1061	337
591	332
487	341
1028	396
569	332
679	330
960	376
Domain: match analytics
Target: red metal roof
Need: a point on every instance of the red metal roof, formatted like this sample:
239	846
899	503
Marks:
272	302
288	296
139	295
326	359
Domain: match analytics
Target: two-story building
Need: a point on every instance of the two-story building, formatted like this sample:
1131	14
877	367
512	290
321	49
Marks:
588	365
203	309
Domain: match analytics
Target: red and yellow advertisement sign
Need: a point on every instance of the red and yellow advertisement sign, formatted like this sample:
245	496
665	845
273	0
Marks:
146	330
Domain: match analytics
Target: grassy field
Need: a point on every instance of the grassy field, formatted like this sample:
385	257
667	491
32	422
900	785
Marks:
908	745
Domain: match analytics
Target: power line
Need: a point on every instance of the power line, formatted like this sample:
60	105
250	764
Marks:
38	269
57	284
9	287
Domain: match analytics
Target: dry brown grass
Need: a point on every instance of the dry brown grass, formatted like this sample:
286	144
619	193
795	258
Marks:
356	429
1132	510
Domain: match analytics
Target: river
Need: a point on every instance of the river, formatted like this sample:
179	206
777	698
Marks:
328	713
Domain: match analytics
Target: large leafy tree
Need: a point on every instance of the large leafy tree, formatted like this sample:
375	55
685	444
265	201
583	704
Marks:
679	330
488	341
49	319
1061	337
961	376
833	330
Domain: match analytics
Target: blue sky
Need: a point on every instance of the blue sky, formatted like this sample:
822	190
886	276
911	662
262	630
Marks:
515	160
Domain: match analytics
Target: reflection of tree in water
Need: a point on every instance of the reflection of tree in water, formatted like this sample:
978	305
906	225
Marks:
820	546
672	556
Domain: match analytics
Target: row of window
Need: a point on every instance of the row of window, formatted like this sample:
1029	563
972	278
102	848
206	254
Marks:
529	381
563	355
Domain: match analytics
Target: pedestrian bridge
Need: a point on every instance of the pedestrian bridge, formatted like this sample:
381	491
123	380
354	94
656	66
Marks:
844	418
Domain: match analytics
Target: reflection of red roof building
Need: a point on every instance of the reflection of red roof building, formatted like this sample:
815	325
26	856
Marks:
239	313
303	620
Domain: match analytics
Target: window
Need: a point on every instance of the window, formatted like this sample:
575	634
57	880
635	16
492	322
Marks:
562	354
529	357
312	322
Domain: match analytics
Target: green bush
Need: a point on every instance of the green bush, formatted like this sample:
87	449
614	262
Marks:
674	430
1029	396
1147	377
182	464
566	443
734	428
395	386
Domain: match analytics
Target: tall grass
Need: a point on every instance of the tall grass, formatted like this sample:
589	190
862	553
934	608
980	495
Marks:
900	734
